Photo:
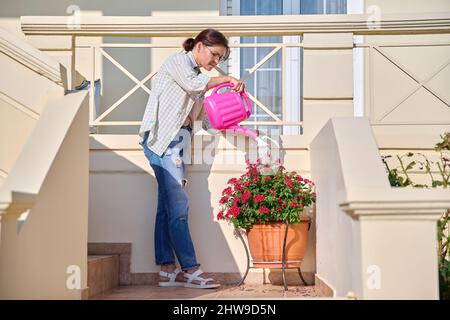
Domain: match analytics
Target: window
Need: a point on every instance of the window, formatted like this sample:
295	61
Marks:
266	82
323	6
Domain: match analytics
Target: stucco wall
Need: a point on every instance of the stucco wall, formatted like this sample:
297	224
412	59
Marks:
123	193
392	75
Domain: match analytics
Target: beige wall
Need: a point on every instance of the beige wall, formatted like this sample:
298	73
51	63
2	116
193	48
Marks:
123	193
390	103
50	237
23	95
373	241
409	6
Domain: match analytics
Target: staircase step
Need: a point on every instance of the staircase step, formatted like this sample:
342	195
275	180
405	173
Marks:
103	273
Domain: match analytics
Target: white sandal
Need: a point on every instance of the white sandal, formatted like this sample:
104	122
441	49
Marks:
172	279
195	277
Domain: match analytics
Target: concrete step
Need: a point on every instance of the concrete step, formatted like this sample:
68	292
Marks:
103	273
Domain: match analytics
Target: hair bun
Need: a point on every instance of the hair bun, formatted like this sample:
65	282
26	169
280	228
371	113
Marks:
188	44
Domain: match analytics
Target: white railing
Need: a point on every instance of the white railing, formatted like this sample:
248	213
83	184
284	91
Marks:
380	119
98	120
29	76
32	58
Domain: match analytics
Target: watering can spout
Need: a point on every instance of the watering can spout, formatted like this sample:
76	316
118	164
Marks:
245	131
261	140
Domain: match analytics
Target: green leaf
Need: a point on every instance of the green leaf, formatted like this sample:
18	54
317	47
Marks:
436	183
410	165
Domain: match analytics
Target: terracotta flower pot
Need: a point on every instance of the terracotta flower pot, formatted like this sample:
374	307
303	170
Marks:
266	244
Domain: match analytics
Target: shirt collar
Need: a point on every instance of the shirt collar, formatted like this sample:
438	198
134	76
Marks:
192	60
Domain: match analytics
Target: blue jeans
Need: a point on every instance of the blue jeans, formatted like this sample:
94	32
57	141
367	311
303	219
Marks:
171	225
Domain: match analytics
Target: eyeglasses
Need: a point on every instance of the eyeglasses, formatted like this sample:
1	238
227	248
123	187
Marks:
215	55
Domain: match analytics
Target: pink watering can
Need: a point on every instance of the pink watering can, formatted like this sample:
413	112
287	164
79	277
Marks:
226	110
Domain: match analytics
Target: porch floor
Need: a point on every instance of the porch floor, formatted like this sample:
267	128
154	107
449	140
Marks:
246	291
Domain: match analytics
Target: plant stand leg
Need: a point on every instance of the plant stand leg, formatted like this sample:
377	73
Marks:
248	257
301	276
283	262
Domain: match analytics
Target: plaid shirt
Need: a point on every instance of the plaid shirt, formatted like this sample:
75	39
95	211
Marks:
177	86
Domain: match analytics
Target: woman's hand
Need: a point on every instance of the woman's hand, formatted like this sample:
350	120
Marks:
238	85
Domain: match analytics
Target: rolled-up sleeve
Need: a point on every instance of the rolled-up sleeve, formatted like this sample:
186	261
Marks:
186	77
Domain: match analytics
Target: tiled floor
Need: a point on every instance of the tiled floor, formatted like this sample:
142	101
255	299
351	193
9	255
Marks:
250	291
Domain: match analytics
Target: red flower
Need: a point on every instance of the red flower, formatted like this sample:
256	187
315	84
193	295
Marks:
234	210
289	183
223	200
258	198
264	209
228	191
245	196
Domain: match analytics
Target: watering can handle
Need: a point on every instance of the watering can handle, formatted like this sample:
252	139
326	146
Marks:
243	94
249	105
222	85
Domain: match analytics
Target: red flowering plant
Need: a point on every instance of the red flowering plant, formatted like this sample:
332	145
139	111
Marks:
267	192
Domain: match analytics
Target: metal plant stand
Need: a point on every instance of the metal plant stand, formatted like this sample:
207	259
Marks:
283	261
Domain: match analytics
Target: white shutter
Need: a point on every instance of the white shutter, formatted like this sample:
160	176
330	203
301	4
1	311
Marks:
234	62
292	74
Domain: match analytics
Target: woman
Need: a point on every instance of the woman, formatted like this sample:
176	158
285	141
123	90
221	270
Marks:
175	103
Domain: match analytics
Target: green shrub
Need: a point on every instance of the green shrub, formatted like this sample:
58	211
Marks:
400	176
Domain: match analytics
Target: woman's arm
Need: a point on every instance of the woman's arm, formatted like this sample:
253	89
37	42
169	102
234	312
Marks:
183	74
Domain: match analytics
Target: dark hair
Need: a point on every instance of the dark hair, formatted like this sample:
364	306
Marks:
209	37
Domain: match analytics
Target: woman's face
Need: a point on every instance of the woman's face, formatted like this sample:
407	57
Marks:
209	56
